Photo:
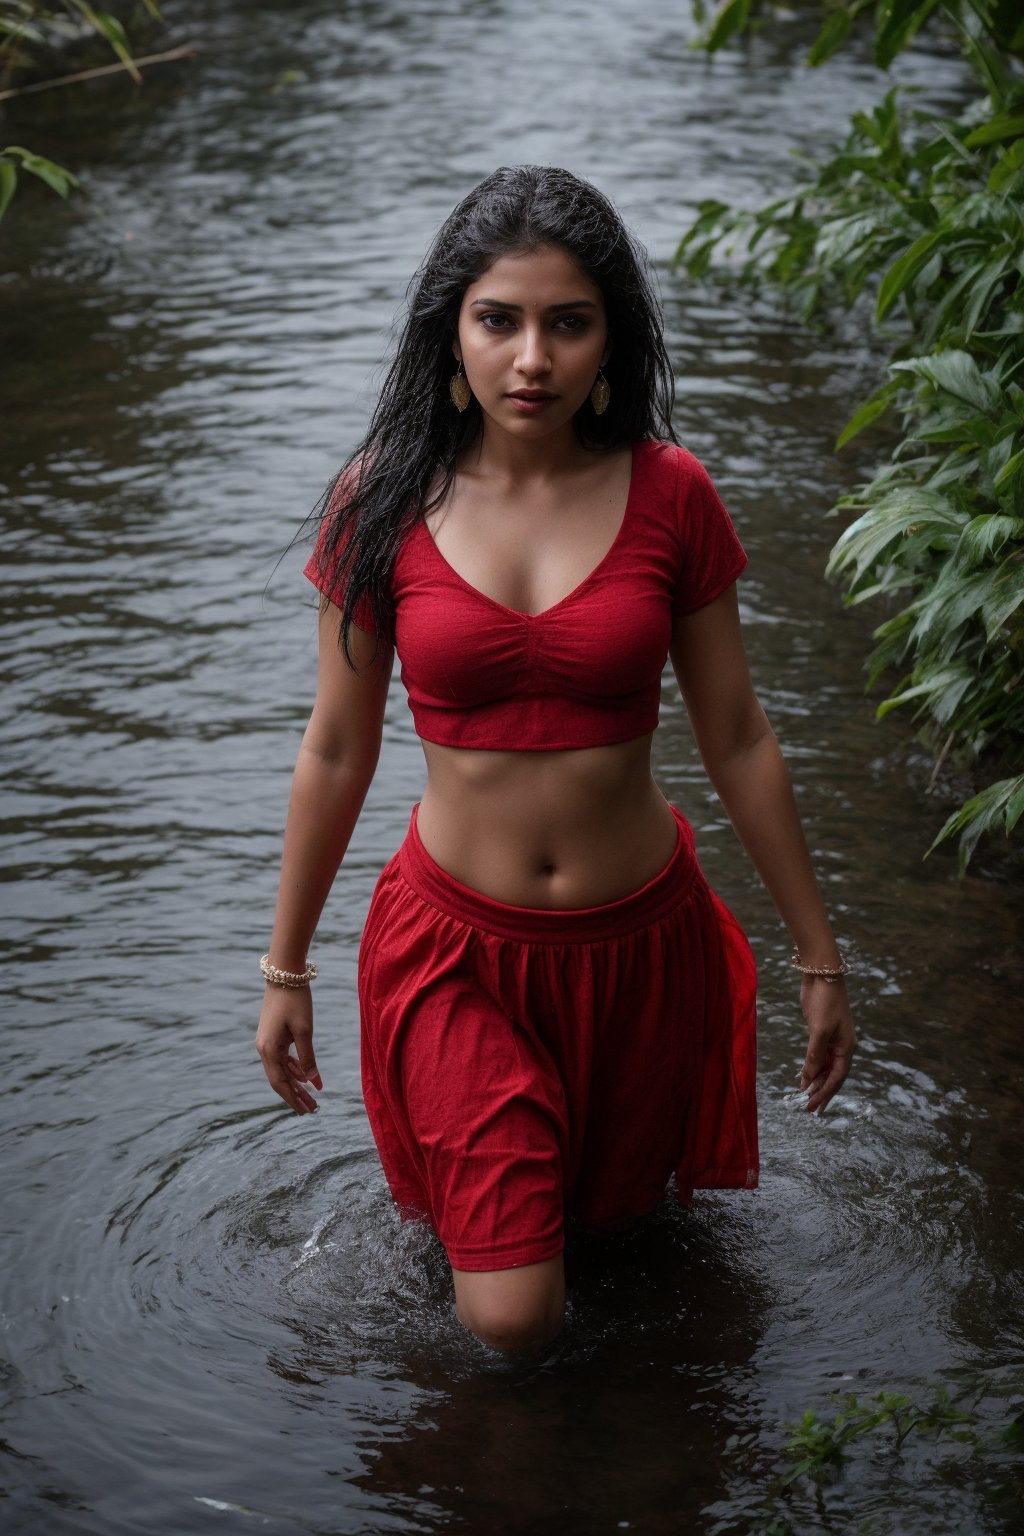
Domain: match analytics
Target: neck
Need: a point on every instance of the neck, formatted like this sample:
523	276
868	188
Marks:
519	459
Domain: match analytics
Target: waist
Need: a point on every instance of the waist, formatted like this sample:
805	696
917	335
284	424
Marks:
651	901
546	829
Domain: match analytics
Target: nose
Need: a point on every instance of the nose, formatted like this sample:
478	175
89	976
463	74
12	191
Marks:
533	358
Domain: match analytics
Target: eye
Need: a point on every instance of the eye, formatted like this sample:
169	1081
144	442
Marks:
573	322
494	320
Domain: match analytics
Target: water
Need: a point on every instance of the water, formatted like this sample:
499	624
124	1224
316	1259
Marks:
212	1319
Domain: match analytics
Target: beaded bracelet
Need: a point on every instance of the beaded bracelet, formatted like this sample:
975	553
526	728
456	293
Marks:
824	972
281	978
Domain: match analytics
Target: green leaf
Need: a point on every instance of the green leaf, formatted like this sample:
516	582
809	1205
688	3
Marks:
1006	168
54	175
1015	805
955	598
992	68
952	425
984	535
713	219
935	155
872	408
109	27
22	29
892	517
1010	470
984	287
956	373
954	679
903	271
1005	125
732	17
890	584
8	182
832	36
1006	598
113	31
897	21
981	814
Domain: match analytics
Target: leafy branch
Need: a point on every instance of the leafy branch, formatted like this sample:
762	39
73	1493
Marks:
15	155
23	21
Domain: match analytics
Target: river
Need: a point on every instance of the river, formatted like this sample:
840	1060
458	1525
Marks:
212	1318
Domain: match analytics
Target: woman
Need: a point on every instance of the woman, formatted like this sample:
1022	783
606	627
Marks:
557	1013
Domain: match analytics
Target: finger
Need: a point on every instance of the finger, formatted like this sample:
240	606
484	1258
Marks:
298	1072
291	1092
816	1065
822	1093
297	1077
306	1065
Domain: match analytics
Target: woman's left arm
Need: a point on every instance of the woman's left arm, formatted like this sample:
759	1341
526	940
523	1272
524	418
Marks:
746	767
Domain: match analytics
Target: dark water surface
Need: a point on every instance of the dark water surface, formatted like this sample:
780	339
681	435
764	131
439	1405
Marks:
212	1320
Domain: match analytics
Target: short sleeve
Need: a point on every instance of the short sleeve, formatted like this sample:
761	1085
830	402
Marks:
323	568
712	555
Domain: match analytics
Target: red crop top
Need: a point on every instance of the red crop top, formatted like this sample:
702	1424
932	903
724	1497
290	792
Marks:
585	672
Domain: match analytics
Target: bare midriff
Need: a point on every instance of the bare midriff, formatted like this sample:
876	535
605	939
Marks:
555	830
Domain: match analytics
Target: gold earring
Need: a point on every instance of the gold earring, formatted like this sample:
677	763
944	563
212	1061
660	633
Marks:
600	394
459	390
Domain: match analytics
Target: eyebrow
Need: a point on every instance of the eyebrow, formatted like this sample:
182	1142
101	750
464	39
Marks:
501	304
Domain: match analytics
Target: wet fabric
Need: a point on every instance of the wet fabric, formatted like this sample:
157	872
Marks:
585	672
521	1063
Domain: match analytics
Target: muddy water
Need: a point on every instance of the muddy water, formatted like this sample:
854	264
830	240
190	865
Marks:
212	1318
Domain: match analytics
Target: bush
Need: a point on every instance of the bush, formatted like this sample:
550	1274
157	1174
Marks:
925	214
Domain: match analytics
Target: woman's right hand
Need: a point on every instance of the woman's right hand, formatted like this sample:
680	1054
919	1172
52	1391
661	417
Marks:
286	1020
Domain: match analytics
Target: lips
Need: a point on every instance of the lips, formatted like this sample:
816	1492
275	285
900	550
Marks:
530	394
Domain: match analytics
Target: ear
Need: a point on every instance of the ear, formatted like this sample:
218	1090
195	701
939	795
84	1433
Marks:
607	355
457	350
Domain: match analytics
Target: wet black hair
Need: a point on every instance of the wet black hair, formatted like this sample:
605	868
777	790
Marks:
405	464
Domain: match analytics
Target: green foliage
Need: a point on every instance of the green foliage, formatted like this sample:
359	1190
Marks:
16	21
109	27
817	1445
945	523
1000	805
905	207
23	21
924	215
13	156
821	1446
984	26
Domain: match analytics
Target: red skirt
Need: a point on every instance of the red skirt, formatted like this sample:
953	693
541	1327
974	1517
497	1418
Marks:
518	1063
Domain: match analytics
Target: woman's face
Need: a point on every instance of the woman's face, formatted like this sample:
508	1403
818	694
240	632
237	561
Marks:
532	335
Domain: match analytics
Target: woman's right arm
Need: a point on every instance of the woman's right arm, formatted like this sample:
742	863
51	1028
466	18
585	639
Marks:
335	766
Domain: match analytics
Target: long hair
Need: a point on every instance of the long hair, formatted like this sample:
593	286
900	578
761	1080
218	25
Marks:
406	462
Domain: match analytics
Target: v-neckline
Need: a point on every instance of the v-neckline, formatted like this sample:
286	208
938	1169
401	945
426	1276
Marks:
544	612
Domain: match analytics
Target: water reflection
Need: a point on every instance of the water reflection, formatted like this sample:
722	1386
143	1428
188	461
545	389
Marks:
632	1414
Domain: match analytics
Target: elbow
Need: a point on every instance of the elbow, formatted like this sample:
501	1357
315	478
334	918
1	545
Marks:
351	755
749	759
756	734
750	736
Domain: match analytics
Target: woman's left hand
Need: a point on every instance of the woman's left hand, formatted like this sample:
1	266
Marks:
830	1048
